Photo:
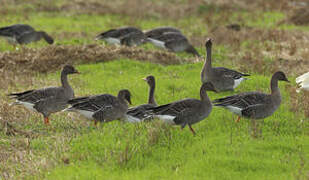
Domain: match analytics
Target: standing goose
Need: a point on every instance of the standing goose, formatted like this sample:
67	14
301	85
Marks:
175	42
103	107
303	82
138	113
157	32
24	34
187	111
222	78
255	105
125	36
48	100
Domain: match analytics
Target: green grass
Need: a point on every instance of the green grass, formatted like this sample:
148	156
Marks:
222	149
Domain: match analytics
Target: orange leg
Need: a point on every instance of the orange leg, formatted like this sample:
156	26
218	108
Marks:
95	123
238	119
192	130
46	121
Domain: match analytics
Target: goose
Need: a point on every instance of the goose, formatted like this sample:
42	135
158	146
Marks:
102	107
186	111
255	105
47	100
222	78
157	32
23	34
303	82
138	113
174	42
125	36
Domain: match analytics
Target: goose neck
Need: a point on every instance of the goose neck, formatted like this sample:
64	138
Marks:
151	98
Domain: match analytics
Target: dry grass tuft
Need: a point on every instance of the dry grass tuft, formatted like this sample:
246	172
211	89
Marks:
299	16
53	57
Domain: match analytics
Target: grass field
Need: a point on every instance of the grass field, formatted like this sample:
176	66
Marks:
72	148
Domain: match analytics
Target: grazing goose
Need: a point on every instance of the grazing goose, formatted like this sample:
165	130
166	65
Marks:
103	107
125	36
303	82
157	32
24	34
48	100
187	111
255	105
222	78
138	113
175	42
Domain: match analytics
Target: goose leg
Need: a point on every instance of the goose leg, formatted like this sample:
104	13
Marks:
238	119
46	121
95	123
192	130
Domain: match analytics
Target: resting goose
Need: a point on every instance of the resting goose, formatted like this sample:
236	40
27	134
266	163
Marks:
222	78
128	36
23	34
48	100
303	82
187	111
157	32
103	107
255	105
138	113
175	42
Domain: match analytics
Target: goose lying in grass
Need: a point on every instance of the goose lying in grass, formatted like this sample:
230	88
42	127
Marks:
103	107
187	111
222	78
303	82
157	32
23	34
48	100
129	36
139	113
174	42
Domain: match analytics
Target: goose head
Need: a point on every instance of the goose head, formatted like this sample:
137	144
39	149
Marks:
208	43
279	75
68	69
125	95
150	80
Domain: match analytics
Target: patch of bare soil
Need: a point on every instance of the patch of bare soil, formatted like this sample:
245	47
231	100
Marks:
51	58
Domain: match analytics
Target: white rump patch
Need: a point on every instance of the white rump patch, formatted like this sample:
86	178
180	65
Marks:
237	82
166	118
111	40
87	114
157	43
303	77
26	105
234	109
132	119
303	82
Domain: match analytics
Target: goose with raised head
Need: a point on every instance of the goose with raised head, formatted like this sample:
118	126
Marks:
187	111
174	42
103	107
139	113
24	34
223	79
303	82
255	105
48	100
159	31
128	36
